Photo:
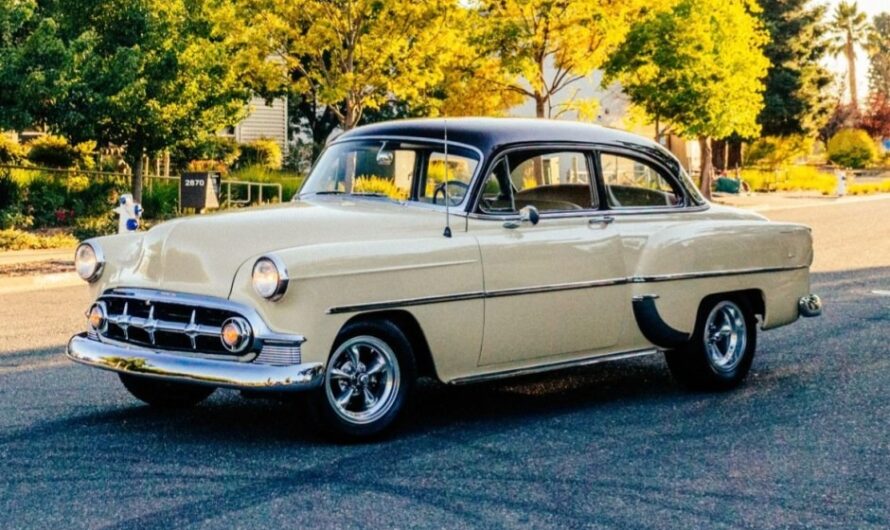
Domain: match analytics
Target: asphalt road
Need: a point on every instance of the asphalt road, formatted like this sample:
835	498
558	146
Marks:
804	443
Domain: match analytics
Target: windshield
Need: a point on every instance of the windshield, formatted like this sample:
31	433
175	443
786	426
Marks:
396	170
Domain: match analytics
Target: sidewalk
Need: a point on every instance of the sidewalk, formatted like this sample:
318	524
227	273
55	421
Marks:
761	202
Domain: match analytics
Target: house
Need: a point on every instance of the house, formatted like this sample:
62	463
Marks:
264	120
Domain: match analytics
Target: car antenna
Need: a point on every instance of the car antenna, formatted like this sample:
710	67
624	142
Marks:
447	232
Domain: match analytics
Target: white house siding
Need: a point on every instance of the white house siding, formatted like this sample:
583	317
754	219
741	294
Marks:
265	121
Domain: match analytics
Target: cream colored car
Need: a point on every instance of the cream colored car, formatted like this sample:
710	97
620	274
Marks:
492	249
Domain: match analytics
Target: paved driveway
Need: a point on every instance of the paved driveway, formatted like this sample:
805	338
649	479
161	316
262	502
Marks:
805	443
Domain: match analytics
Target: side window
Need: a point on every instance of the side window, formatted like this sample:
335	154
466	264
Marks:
456	175
497	192
552	181
630	183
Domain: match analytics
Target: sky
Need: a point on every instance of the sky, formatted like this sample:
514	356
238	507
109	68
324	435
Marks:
837	64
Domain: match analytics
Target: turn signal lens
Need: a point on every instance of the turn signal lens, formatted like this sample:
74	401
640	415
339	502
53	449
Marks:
269	278
96	318
235	334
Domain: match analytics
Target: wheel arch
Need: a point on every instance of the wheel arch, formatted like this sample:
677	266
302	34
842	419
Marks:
409	325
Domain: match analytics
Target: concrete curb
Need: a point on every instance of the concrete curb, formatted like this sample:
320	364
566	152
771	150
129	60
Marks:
21	284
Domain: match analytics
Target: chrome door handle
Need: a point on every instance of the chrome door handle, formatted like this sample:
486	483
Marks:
604	220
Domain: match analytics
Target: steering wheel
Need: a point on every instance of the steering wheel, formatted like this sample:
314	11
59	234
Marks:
441	189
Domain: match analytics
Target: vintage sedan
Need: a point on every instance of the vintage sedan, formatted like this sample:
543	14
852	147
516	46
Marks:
465	251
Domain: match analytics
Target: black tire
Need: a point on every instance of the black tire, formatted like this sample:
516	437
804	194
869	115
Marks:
694	367
399	376
165	394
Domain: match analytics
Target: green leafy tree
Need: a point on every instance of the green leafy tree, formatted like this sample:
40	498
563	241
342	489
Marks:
547	45
879	56
701	74
141	74
794	100
346	57
850	28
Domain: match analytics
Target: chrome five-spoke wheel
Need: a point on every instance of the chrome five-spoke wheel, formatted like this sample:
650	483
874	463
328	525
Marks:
719	352
362	380
369	378
725	336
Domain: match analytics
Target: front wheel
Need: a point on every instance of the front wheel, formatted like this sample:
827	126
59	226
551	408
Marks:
720	352
368	379
164	394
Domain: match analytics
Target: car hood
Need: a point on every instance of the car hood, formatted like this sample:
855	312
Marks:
202	254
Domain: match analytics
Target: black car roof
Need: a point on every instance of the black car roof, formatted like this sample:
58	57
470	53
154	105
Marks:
491	134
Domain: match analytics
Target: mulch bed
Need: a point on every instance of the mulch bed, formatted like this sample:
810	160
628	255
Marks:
36	268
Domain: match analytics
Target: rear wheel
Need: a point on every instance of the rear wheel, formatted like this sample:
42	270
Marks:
720	352
165	394
368	380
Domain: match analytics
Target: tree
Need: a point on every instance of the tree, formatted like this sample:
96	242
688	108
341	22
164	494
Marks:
143	74
794	102
547	45
347	56
702	74
879	55
877	119
850	29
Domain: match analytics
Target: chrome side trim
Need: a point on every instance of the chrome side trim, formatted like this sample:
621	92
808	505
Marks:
475	295
407	302
574	363
712	274
163	366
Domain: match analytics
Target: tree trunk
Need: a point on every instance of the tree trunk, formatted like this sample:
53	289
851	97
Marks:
136	183
540	102
851	72
733	153
718	157
707	168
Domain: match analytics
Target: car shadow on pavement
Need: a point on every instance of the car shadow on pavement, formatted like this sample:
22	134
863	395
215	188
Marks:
229	418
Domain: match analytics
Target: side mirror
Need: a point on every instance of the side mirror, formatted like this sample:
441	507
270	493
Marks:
528	214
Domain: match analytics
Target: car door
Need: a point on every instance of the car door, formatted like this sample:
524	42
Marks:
554	289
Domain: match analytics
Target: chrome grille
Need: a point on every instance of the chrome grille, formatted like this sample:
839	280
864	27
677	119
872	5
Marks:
279	353
165	325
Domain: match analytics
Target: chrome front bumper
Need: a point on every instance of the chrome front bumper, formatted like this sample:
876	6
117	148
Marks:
171	367
810	306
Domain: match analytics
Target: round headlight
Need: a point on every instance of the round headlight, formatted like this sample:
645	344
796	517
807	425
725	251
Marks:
88	262
269	278
235	334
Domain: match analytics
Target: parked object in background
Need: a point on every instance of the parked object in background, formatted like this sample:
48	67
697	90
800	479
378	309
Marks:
841	175
129	213
569	244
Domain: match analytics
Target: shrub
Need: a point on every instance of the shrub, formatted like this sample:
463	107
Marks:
56	152
11	152
214	148
10	193
160	201
100	225
47	202
852	148
793	178
92	197
19	240
777	151
263	152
